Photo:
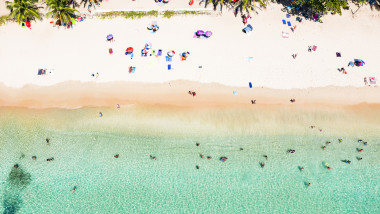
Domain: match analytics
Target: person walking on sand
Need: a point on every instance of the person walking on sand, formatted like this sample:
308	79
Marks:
253	101
294	55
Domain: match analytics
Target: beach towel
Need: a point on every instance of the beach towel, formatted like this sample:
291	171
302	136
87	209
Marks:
289	24
235	93
372	80
314	48
168	59
285	35
169	66
132	69
284	22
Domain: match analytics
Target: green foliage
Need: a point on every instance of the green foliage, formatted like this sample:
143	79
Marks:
3	20
168	13
60	10
23	10
129	14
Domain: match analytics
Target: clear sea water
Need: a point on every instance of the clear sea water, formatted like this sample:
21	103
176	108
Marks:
83	146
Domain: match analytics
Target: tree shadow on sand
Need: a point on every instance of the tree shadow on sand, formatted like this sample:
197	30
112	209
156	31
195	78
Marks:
18	179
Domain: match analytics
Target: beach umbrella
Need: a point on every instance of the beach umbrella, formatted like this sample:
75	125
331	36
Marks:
109	36
148	45
200	32
208	33
129	50
171	53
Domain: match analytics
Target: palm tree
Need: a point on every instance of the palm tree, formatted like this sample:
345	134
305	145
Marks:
60	10
23	10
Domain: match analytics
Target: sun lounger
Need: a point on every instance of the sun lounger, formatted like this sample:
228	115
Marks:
289	24
284	22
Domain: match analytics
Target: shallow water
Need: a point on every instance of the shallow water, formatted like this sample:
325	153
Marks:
83	146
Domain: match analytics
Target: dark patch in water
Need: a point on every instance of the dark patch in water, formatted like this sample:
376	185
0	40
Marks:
18	179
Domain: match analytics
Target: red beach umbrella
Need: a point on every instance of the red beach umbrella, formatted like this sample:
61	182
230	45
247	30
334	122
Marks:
129	50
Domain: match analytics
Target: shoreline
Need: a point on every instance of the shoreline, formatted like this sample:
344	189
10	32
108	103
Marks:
74	94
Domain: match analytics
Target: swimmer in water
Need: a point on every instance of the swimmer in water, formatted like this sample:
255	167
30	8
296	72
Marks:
308	184
15	166
197	167
359	150
365	143
328	167
340	140
300	168
208	157
323	147
152	157
266	157
116	156
346	161
241	149
75	188
359	158
201	155
197	144
47	141
262	164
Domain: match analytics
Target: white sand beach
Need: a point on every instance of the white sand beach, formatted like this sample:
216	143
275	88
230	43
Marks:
75	54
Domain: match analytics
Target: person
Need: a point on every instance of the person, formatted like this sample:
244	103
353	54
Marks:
253	101
50	159
346	161
152	157
328	142
197	167
309	49
300	168
241	149
197	144
266	157
194	93
294	56
190	92
47	141
340	140
365	81
100	114
201	155
359	150
359	158
312	127
328	167
209	157
365	143
308	184
291	151
245	19
292	100
262	164
117	106
34	157
75	188
15	166
323	147
116	156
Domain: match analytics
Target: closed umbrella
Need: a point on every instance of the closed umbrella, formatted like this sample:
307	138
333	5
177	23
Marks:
109	36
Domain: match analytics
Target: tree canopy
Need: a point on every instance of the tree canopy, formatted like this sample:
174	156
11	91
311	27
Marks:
23	10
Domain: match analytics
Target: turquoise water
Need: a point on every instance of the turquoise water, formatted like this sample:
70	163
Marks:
83	146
